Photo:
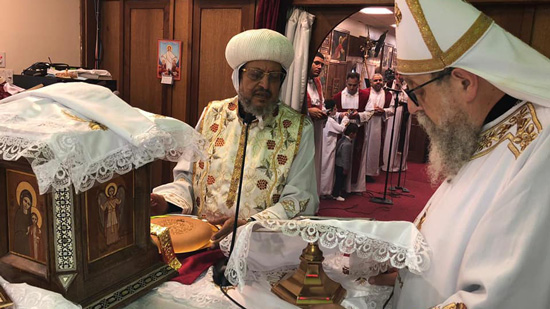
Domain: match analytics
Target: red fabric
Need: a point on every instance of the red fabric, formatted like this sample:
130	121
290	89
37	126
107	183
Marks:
3	94
360	137
194	264
319	87
267	14
406	206
388	96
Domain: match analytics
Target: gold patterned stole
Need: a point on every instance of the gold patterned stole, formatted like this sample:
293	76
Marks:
269	155
520	128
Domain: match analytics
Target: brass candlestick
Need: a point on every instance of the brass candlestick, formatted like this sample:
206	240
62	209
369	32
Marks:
309	285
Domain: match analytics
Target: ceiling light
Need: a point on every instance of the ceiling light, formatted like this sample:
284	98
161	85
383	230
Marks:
394	25
376	11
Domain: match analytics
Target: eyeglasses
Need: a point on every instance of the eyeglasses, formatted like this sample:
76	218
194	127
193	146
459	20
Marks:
257	75
411	94
377	80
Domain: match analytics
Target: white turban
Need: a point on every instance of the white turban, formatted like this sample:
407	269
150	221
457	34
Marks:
433	35
259	44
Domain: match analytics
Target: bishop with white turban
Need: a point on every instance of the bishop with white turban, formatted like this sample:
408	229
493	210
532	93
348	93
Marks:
279	175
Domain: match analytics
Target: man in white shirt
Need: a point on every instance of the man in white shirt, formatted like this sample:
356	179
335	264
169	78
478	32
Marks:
379	103
315	108
353	102
482	96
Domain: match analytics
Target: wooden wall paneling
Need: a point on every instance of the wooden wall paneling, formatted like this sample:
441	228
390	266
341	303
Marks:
183	10
541	29
516	19
335	82
214	23
87	33
144	24
111	38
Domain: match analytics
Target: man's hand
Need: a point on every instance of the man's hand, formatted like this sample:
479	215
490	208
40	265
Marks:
353	115
385	279
378	110
159	206
316	113
227	228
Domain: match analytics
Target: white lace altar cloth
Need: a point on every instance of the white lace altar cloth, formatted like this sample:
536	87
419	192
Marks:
26	296
83	134
203	293
267	251
354	250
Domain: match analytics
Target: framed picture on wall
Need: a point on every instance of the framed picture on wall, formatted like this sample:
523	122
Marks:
339	45
169	59
325	47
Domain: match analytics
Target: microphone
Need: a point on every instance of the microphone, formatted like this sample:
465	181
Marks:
219	268
248	118
391	89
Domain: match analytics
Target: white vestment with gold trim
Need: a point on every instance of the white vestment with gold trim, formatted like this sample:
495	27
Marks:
279	175
488	226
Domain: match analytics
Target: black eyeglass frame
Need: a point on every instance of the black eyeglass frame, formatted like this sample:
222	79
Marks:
283	74
413	97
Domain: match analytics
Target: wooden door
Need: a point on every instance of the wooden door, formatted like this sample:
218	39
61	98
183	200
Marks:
214	23
145	22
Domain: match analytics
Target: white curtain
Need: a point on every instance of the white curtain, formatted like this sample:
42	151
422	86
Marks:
298	31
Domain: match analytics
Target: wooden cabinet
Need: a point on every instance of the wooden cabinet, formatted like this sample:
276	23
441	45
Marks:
93	248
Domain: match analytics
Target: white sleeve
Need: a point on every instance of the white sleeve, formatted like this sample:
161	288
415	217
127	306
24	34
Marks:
334	127
506	262
365	116
180	191
299	196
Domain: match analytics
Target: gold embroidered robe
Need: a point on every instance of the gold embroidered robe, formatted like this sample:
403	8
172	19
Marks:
279	175
488	227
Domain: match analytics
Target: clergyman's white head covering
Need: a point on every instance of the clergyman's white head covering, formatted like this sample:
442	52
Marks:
432	35
258	44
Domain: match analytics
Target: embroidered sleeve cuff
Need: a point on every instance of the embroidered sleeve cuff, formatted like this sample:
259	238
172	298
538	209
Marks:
178	201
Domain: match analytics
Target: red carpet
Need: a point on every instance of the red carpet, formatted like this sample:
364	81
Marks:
406	206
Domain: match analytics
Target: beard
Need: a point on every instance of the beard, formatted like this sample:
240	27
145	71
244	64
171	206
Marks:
452	143
258	111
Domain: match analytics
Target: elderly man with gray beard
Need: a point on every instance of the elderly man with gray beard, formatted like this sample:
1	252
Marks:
482	96
279	175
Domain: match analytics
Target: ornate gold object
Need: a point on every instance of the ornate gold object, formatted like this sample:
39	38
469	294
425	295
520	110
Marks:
528	128
309	285
92	124
166	248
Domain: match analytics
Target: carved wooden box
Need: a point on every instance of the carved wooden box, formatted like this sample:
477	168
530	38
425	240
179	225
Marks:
94	248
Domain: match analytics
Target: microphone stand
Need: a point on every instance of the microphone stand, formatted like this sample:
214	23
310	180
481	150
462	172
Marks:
401	146
219	268
383	199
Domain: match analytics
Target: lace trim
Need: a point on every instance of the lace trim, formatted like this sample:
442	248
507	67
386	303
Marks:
374	255
63	161
201	294
27	296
